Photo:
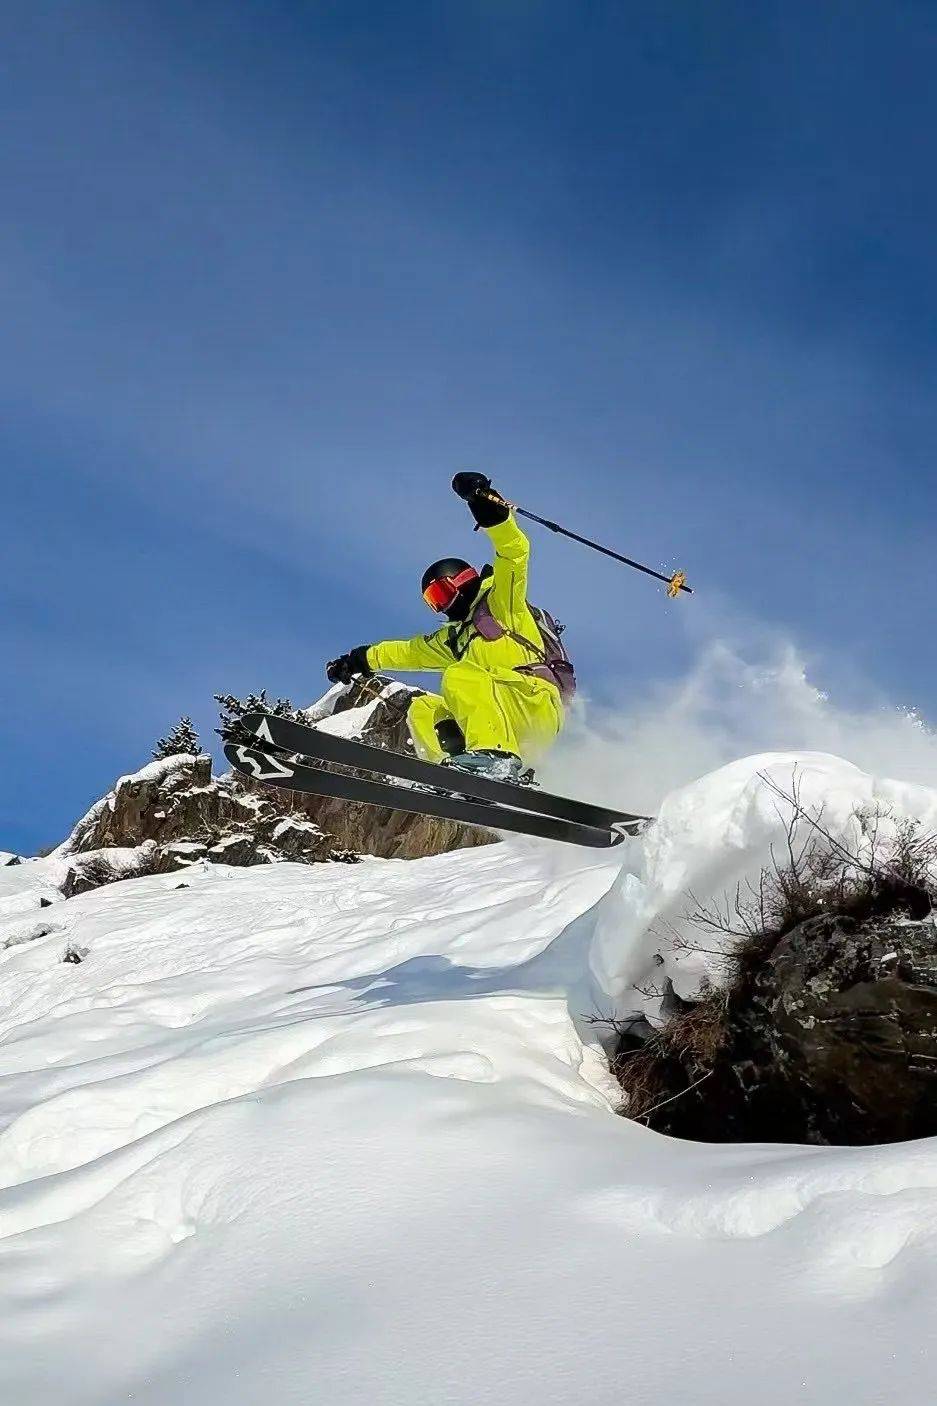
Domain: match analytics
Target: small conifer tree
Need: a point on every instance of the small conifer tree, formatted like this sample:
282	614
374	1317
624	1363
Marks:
182	740
232	708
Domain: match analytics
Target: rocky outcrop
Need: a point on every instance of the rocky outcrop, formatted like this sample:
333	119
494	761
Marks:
841	1030
175	812
829	1037
376	712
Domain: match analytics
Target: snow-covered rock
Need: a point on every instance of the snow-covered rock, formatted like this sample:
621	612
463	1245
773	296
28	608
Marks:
710	838
173	811
765	962
374	710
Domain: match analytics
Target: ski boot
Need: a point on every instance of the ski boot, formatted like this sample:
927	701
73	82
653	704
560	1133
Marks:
490	762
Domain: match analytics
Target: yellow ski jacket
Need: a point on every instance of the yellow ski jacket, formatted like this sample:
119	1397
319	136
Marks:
507	601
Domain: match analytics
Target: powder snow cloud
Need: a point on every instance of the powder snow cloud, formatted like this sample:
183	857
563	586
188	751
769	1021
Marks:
728	706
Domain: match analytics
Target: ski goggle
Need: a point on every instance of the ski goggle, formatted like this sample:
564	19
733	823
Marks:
441	593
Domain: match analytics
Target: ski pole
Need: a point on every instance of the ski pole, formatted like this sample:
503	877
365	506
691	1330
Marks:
675	583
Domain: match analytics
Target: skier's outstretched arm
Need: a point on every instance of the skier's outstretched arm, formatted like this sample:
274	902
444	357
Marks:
423	653
512	549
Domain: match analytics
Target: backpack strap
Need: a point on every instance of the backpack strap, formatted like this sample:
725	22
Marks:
488	627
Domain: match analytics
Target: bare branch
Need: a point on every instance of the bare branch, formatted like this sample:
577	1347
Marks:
679	1094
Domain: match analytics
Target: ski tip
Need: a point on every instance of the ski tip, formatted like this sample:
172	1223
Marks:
633	829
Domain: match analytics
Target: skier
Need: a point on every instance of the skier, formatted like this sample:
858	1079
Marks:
504	673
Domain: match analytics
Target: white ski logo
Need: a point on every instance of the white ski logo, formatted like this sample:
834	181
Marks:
253	761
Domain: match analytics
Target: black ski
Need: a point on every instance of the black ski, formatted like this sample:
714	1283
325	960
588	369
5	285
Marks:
300	739
263	762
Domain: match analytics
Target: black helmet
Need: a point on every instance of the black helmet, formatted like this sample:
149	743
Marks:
450	585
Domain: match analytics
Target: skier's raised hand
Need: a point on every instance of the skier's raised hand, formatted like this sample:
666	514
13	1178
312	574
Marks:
487	506
468	484
346	666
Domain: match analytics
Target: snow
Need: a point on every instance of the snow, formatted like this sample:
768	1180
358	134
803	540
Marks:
24	930
351	723
227	842
323	708
327	1134
302	827
7	857
713	836
27	886
158	771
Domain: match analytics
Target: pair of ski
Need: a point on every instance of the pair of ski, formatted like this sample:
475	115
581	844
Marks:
274	750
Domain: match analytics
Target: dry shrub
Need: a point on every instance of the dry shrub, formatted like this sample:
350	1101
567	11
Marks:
682	1051
814	872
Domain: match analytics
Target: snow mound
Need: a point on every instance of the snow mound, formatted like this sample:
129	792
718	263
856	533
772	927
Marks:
341	1135
28	886
714	835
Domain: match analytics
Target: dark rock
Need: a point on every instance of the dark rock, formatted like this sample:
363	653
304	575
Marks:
843	1016
831	1037
75	882
293	837
240	849
388	834
186	804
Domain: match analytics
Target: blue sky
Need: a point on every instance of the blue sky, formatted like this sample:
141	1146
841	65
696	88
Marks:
270	273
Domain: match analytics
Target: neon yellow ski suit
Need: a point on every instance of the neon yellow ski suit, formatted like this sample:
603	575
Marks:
493	704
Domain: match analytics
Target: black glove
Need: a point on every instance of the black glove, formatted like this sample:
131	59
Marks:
344	668
487	506
468	484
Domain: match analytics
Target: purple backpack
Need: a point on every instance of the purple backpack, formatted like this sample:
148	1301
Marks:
555	664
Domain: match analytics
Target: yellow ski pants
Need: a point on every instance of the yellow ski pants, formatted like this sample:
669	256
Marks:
499	708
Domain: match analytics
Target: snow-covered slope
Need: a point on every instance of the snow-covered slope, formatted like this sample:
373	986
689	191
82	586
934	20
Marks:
319	1134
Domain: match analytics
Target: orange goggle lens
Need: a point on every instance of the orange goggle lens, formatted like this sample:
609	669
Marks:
440	594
